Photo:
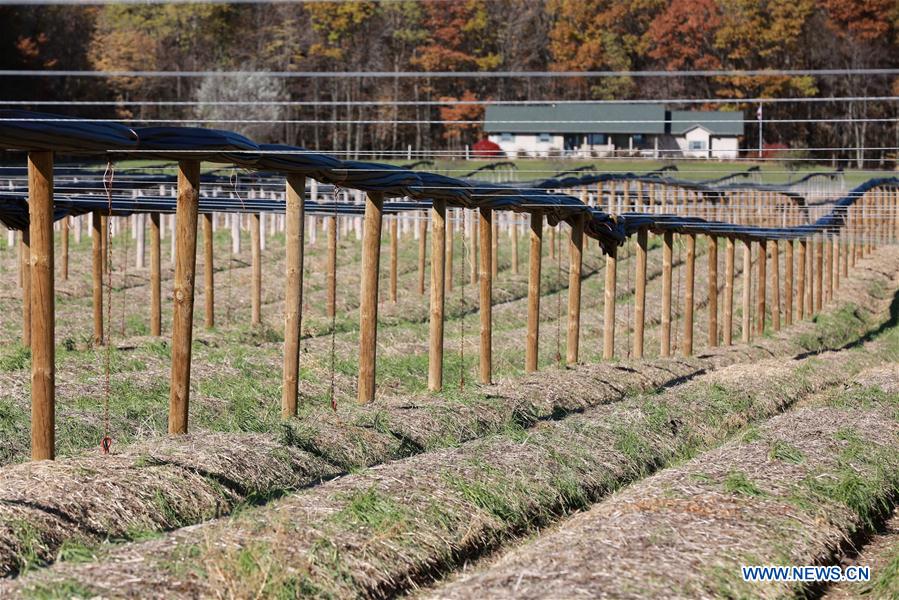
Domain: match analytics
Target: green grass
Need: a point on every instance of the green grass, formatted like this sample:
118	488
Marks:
884	582
372	509
736	482
785	452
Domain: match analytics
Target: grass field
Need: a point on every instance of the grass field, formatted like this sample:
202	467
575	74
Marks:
441	493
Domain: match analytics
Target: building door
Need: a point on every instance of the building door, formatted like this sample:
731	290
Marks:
573	141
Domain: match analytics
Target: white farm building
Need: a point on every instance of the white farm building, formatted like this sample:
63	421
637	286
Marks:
613	129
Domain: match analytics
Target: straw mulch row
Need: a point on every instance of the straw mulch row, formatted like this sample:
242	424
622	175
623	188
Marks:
881	555
168	483
794	491
393	527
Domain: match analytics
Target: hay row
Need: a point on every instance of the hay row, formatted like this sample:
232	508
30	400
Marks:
881	555
792	492
170	483
390	528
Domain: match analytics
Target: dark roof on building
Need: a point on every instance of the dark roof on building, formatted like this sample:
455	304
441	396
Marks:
607	118
576	118
717	122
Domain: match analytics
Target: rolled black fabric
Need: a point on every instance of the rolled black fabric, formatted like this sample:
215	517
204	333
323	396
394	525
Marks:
213	145
26	130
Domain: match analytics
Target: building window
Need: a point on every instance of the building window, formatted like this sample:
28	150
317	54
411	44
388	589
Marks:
544	137
506	137
638	138
597	139
697	145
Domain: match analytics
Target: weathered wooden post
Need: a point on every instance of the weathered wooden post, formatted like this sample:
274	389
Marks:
97	275
293	293
422	251
713	290
688	294
256	259
608	338
368	301
25	274
155	277
640	292
729	253
747	290
575	262
450	238
761	291
65	247
800	284
534	266
140	240
514	232
43	324
494	248
819	275
775	284
104	242
472	235
394	255
438	280
828	268
208	271
183	292
667	254
485	273
788	283
331	268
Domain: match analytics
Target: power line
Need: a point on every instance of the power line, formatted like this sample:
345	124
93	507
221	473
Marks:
313	103
451	74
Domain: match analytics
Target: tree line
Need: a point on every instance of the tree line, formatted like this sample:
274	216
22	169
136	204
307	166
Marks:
466	35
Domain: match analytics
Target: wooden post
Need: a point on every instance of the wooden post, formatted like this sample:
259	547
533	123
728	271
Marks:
293	293
25	273
729	252
450	238
828	268
438	279
667	252
155	277
485	273
494	248
608	338
394	255
819	275
514	226
140	241
368	301
837	250
97	272
788	284
208	271
713	291
104	242
640	293
422	252
65	247
688	294
775	284
43	325
535	263
473	254
747	290
575	262
183	292
331	276
805	280
256	259
762	287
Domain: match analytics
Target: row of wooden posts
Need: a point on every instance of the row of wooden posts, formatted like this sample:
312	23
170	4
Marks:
822	261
